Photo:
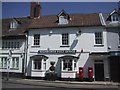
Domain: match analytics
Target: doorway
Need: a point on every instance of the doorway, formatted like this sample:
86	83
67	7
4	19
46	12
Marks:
99	70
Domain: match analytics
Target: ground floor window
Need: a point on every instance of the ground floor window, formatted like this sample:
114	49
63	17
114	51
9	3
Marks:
3	62
37	64
15	62
69	65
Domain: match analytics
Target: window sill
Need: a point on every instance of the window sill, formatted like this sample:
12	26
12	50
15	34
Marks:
35	46
14	68
68	71
98	45
64	46
3	68
36	70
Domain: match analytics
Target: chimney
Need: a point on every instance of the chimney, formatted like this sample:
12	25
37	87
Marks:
35	11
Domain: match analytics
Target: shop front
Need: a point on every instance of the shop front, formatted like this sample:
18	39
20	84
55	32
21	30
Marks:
68	66
38	68
115	66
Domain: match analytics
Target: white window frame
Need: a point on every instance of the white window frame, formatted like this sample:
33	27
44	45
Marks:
3	61
98	38
67	40
63	20
10	44
35	61
115	18
15	64
73	65
38	40
13	25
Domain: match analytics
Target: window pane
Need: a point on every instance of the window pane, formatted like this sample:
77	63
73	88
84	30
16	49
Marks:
65	39
37	64
37	39
4	62
67	65
98	38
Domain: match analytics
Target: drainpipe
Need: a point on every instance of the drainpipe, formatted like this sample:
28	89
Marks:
26	49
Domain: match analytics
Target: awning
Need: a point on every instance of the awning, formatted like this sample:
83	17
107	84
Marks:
39	57
68	57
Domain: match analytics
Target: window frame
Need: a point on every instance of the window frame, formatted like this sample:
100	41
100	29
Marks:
115	18
69	68
35	61
3	62
98	41
65	39
16	65
63	20
34	40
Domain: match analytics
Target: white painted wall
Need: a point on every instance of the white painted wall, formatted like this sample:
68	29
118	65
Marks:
113	39
85	41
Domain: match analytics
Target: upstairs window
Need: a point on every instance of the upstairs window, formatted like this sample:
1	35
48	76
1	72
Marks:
115	17
63	20
98	38
65	39
13	25
11	45
36	39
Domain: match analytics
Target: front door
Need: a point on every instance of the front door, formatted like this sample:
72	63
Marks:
99	71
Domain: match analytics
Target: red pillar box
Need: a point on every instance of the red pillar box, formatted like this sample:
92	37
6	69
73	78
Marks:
90	73
81	73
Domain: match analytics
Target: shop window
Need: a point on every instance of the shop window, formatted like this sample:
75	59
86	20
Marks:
37	64
15	62
44	64
67	65
3	63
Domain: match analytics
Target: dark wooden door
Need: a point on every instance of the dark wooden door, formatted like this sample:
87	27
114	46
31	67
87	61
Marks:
99	71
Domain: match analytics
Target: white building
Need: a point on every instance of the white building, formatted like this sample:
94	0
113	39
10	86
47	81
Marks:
69	40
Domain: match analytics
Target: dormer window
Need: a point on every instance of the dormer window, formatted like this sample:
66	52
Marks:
13	25
63	18
115	17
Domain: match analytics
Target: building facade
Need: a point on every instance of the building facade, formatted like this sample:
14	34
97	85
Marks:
70	41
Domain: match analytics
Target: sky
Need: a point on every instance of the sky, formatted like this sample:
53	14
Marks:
22	9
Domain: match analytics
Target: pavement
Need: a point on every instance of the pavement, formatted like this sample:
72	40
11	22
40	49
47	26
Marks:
64	84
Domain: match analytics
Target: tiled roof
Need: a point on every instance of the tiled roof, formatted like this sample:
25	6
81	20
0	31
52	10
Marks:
77	20
6	31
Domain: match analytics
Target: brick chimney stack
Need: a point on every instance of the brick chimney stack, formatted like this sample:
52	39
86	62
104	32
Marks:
35	11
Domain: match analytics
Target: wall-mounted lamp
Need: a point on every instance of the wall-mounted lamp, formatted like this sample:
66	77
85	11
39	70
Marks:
51	32
78	33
